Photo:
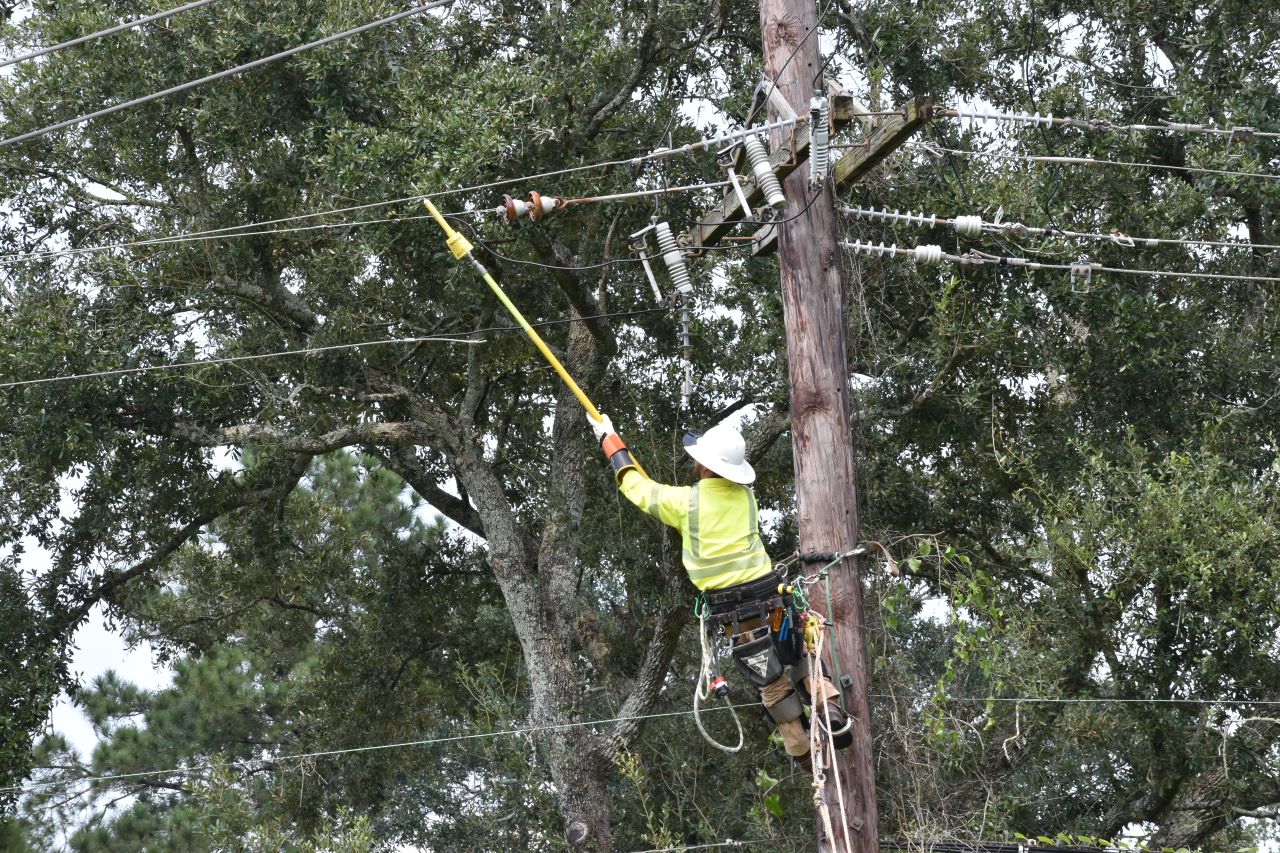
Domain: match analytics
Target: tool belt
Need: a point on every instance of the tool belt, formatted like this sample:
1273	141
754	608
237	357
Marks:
755	599
766	600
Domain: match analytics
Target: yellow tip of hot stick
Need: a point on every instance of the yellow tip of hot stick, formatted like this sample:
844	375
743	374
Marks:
458	244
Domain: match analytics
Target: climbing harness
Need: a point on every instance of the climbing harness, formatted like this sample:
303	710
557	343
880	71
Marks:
461	247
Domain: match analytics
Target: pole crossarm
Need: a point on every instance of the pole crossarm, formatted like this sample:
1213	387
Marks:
856	163
717	224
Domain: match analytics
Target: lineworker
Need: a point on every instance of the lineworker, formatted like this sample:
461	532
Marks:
726	559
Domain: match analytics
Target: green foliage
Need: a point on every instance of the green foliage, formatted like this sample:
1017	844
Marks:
1076	479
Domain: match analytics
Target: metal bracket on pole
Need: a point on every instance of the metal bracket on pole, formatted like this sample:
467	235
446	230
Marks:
767	91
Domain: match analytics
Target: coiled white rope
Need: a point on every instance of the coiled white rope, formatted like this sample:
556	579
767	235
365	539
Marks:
817	759
702	690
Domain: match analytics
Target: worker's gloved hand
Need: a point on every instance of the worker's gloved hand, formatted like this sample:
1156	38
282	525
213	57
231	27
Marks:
601	427
615	450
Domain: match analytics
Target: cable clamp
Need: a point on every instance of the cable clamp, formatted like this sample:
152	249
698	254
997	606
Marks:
1083	269
1241	134
1121	239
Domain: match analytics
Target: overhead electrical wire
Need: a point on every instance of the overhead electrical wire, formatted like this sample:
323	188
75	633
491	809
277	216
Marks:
935	149
230	230
524	730
159	16
521	730
182	87
1102	125
973	225
931	254
232	359
462	337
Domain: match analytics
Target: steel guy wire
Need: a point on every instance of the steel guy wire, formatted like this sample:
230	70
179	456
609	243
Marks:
467	337
972	225
159	16
230	230
936	149
522	730
1235	132
930	254
182	87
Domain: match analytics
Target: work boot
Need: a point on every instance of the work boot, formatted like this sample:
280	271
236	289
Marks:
794	738
841	726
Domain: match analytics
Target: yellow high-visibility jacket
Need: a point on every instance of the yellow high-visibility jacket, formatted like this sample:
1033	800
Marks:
718	525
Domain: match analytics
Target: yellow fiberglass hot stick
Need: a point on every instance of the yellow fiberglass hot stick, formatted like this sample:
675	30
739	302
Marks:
461	246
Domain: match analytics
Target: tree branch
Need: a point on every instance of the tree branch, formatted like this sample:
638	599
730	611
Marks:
395	433
112	580
405	464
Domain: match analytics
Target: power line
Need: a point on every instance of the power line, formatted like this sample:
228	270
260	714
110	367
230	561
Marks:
712	845
467	337
931	254
182	87
936	150
126	371
580	723
1094	700
522	730
1103	125
231	231
228	230
973	225
159	16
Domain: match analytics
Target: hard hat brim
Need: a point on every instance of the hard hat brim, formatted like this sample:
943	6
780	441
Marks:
742	473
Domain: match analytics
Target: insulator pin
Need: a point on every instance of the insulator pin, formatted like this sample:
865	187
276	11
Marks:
763	171
673	257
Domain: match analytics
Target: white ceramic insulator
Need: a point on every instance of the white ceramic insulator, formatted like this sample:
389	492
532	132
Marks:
873	249
760	167
819	139
522	208
548	203
929	254
673	258
968	226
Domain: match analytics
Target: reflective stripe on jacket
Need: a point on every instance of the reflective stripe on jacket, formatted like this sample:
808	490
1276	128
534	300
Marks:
718	527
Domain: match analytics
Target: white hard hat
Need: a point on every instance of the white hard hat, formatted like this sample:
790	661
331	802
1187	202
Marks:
721	449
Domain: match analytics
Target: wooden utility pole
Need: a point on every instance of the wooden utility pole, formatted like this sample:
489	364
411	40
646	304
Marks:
813	309
826	496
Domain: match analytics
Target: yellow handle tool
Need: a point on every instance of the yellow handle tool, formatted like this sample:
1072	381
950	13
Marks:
461	247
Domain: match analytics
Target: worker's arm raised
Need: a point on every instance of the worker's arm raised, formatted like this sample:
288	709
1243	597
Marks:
669	504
